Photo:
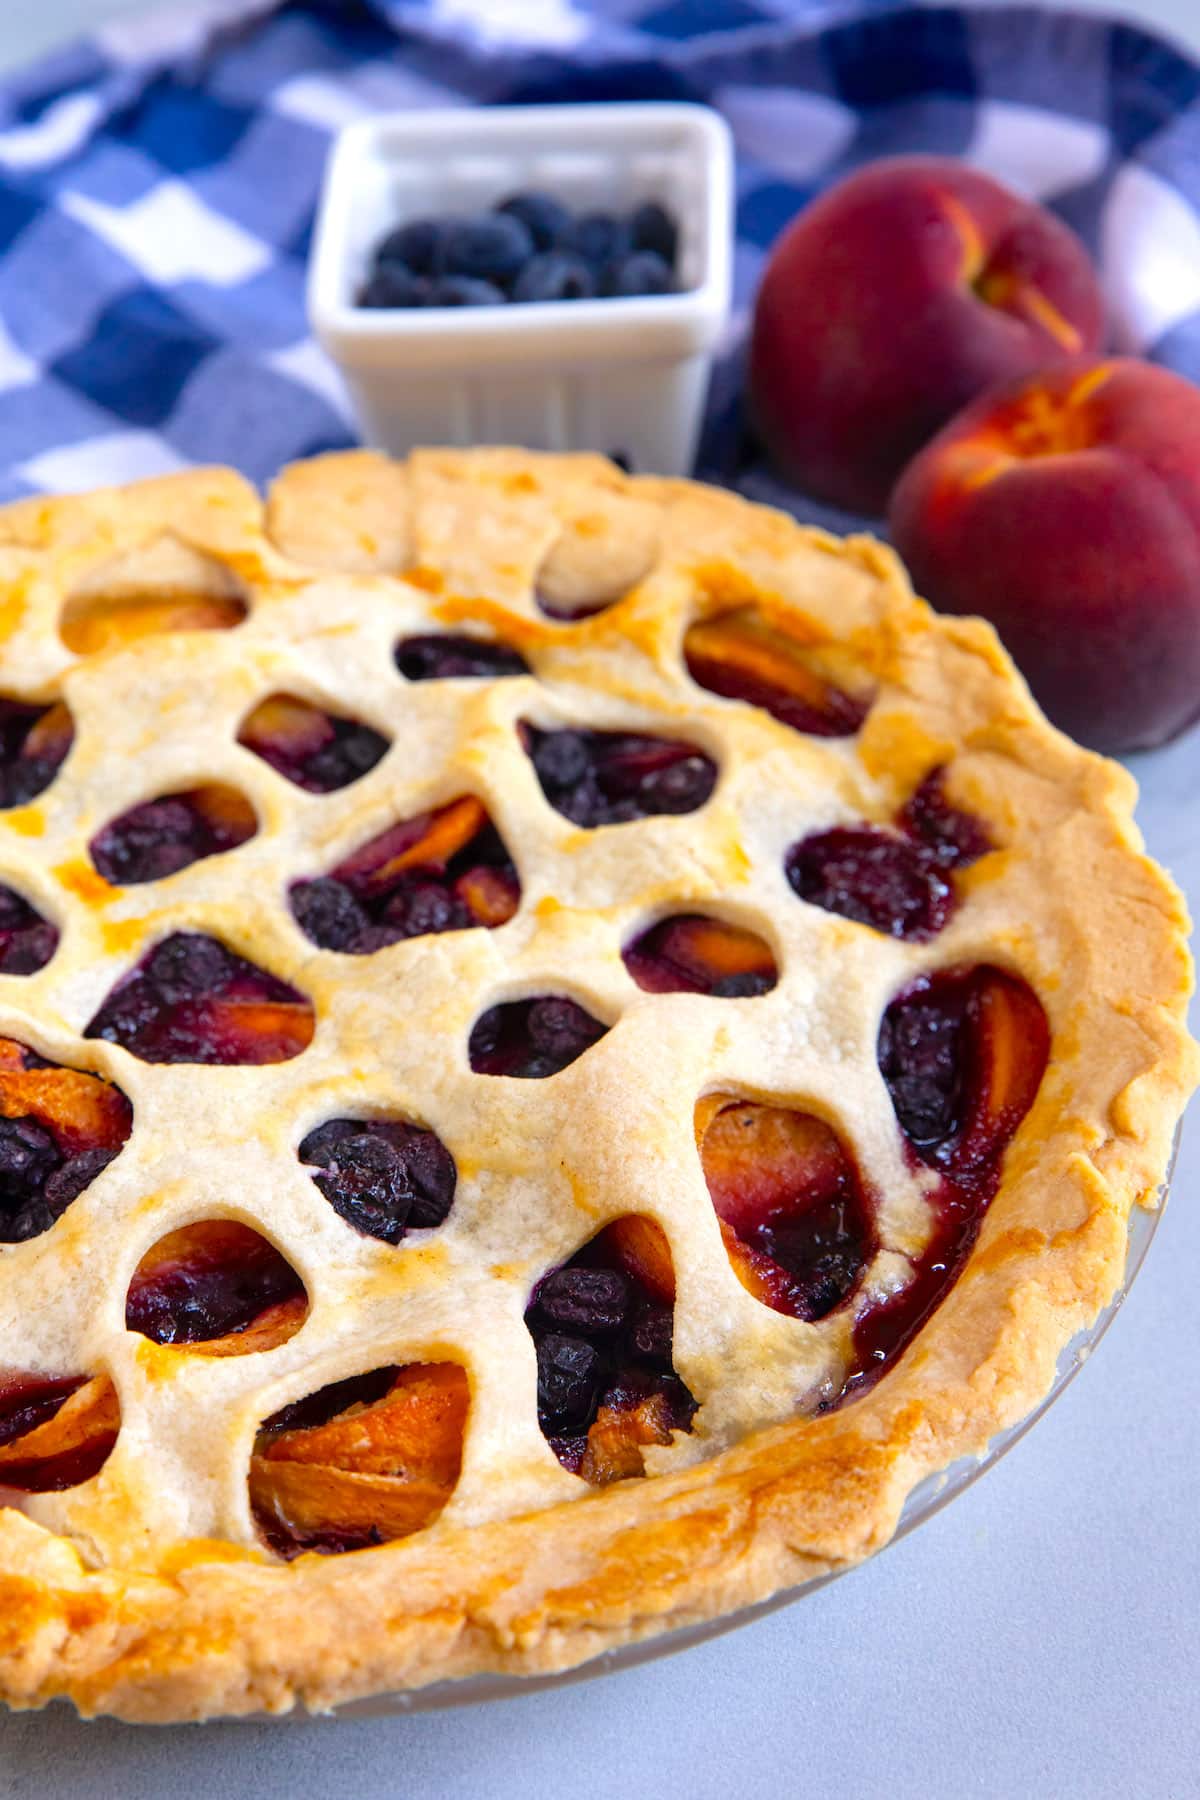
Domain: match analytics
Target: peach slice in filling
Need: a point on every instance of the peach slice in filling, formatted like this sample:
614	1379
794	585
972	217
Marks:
162	836
691	954
55	1431
34	741
318	751
217	1285
445	870
796	1223
362	1461
602	1325
59	1128
193	1000
743	656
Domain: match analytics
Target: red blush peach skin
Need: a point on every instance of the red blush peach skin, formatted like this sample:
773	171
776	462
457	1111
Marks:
1066	509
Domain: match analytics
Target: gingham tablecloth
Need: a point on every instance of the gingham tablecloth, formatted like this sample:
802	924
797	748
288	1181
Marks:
157	185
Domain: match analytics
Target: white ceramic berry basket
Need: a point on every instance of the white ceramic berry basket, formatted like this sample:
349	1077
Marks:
626	377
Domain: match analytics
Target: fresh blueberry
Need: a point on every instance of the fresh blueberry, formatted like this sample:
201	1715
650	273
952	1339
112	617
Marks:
653	228
598	238
554	276
392	285
415	245
461	290
644	272
495	248
544	218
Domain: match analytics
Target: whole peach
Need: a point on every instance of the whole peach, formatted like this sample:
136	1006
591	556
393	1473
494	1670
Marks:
1066	509
891	302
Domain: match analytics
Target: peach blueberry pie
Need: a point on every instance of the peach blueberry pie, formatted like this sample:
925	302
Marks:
563	1043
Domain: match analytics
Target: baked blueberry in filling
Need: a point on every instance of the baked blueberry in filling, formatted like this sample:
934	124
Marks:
192	999
27	940
449	656
603	1325
446	870
215	1279
383	1176
59	1129
318	751
34	741
160	837
531	1039
612	777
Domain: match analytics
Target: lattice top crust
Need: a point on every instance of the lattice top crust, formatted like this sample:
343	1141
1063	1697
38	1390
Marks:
527	1566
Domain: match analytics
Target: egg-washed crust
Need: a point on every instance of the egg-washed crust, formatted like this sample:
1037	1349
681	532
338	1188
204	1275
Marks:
143	1592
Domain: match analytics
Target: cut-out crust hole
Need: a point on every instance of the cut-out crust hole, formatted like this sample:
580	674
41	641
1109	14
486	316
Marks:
34	741
898	881
613	777
796	1224
962	1053
531	1039
217	1286
447	870
362	1461
385	1177
55	1431
27	940
192	1000
447	656
319	751
691	954
160	837
163	586
742	655
59	1129
602	1324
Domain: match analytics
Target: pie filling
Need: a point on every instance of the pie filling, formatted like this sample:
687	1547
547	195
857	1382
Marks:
318	751
446	870
448	656
160	837
59	1128
34	741
602	1325
612	777
193	1000
690	954
375	1457
27	940
384	1177
531	1039
742	656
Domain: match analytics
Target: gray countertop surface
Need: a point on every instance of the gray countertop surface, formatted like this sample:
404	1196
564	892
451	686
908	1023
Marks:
1038	1637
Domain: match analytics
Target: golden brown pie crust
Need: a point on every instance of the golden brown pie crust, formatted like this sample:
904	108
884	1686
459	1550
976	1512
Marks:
144	1592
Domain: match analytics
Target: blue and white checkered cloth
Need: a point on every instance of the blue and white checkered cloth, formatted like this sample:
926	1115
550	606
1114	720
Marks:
157	185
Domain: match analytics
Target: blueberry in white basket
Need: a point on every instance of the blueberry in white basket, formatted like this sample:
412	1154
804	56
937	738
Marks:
415	245
599	238
653	228
393	285
544	218
493	248
554	276
644	272
529	248
463	290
